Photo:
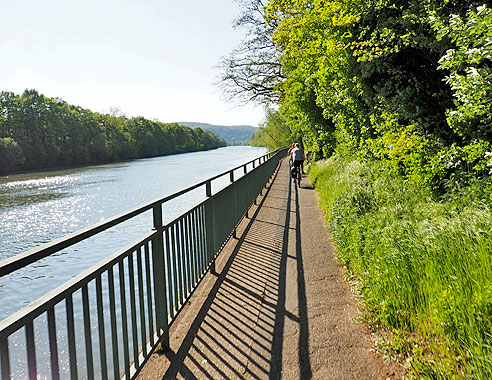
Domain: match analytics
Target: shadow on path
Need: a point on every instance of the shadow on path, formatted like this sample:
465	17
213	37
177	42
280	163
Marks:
239	330
279	307
304	360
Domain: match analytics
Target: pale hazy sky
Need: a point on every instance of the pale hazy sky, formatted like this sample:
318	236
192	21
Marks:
151	58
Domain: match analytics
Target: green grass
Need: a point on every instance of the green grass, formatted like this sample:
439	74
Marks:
423	265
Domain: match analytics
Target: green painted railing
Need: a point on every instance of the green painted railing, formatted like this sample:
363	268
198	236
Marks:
128	301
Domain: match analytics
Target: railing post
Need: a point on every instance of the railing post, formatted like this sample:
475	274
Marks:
209	227
256	196
245	169
234	235
160	278
4	358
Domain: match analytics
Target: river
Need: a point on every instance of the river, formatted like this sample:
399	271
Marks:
39	207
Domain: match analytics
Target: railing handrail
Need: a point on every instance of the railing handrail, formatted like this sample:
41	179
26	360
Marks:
14	321
28	257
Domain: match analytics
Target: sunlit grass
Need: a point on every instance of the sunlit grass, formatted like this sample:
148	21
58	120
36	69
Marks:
423	264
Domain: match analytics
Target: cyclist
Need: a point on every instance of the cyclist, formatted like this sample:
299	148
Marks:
290	151
297	157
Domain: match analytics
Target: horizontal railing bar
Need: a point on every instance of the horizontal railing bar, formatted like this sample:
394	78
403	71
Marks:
175	219
22	259
17	320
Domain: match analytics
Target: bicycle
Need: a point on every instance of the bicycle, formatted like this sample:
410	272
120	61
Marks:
296	174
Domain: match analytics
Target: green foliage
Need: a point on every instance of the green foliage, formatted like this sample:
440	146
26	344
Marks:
401	93
39	133
313	64
274	132
470	71
457	166
10	153
401	82
423	265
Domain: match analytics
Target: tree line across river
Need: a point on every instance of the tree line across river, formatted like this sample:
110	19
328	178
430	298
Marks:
38	132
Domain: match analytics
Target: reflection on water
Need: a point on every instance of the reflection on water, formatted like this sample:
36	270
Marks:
30	191
37	208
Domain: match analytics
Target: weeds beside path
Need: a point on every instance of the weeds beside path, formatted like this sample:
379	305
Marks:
421	260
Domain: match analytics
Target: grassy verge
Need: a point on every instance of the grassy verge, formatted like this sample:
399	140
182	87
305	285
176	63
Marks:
423	266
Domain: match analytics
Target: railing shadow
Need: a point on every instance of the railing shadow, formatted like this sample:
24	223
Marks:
239	330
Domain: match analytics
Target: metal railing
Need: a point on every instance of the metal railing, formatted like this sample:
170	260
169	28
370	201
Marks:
105	322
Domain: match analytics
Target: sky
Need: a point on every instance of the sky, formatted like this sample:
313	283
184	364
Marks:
150	58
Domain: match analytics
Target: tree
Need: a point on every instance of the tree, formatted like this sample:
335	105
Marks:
252	72
274	132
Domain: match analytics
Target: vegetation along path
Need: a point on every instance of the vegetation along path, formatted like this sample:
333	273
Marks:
278	306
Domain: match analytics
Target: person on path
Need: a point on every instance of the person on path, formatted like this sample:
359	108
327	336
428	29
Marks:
292	147
290	151
297	157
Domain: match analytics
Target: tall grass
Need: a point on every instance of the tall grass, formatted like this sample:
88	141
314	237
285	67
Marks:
423	265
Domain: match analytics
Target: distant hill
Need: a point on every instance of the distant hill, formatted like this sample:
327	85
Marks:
232	134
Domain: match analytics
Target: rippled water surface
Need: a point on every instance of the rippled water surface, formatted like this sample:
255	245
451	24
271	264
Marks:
37	208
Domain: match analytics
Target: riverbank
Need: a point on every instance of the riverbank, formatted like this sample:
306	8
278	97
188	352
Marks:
95	165
421	264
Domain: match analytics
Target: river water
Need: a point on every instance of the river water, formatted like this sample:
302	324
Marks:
37	208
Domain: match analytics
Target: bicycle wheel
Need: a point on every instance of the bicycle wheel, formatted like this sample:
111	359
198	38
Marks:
299	176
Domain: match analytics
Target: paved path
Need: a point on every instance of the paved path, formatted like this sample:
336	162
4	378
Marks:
279	307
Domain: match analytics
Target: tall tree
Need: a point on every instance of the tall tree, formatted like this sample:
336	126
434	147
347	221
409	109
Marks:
252	72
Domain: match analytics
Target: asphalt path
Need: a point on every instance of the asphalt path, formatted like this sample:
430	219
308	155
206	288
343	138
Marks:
278	307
